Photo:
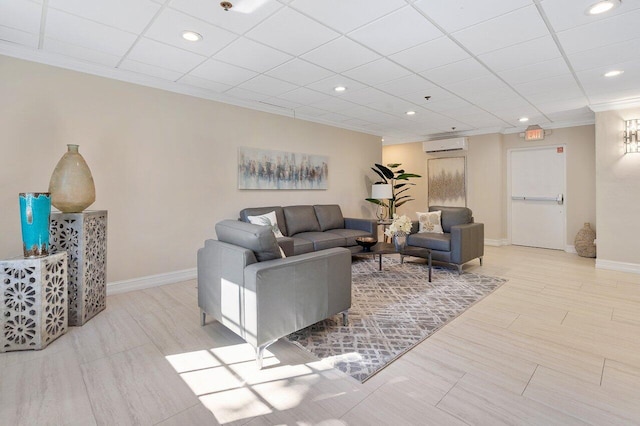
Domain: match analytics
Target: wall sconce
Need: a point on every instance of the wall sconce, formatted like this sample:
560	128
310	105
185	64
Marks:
631	136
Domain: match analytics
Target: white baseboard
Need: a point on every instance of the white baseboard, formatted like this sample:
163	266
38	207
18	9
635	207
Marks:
151	281
496	243
570	249
634	268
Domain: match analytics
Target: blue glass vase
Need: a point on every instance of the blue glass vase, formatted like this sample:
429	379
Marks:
35	212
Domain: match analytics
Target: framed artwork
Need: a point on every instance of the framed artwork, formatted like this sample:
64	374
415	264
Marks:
267	169
447	182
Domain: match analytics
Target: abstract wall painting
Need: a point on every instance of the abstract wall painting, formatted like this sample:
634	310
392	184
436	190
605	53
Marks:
447	184
267	169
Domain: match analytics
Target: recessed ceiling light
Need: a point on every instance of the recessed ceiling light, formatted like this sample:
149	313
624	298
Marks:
339	89
523	119
613	73
602	7
191	36
410	113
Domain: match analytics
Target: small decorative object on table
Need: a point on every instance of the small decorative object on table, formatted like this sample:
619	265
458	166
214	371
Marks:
366	243
399	229
35	212
584	242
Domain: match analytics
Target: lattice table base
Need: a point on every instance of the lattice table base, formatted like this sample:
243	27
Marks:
33	310
84	237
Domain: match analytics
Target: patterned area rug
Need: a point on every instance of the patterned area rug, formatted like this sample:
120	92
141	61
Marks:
391	311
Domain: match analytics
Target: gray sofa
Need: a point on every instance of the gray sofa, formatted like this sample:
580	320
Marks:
462	241
310	228
245	284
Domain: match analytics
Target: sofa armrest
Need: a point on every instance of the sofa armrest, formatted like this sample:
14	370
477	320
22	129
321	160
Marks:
286	244
415	227
367	225
286	295
467	242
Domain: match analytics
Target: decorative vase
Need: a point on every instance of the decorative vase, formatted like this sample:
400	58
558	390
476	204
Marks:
35	212
71	185
400	240
584	242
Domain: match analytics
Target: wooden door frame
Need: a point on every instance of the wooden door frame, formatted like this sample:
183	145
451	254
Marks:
508	195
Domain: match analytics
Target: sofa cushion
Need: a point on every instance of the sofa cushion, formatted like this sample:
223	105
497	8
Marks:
350	235
267	219
259	239
329	216
440	242
300	219
257	211
301	246
430	222
452	216
323	240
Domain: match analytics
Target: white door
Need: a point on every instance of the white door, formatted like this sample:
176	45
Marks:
537	178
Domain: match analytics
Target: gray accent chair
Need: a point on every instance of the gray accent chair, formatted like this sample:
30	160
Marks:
309	228
462	241
245	284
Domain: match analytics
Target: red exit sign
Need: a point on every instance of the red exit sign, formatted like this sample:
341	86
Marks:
534	133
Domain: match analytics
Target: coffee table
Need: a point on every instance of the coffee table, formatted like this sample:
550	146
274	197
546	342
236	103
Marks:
387	248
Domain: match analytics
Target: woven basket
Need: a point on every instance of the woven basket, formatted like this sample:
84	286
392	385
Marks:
584	242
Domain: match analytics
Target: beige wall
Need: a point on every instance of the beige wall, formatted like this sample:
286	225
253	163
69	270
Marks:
617	194
164	164
487	176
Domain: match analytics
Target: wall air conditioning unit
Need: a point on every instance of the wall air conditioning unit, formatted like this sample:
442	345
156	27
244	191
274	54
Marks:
453	144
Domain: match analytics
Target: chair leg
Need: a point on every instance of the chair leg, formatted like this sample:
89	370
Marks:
260	352
480	260
345	318
459	269
203	317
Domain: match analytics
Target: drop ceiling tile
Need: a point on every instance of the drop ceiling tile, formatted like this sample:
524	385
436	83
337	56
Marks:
80	53
578	114
304	96
432	54
291	32
593	80
558	82
364	96
454	15
164	56
310	111
514	27
413	85
127	15
545	95
19	37
299	72
624	95
397	31
221	72
282	103
21	15
560	104
65	27
233	20
334	104
251	55
446	104
565	14
514	103
345	16
168	28
534	72
456	72
336	118
201	83
377	72
522	54
246	95
605	55
393	105
616	29
327	85
267	85
151	70
341	55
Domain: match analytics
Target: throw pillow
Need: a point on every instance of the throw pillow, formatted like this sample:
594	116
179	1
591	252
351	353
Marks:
430	222
268	219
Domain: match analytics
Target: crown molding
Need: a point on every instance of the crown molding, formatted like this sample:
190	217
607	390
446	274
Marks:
617	105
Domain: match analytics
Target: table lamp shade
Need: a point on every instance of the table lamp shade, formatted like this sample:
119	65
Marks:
381	192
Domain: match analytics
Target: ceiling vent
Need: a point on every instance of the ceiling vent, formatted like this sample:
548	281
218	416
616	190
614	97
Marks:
453	144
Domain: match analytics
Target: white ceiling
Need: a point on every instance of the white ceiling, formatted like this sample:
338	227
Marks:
484	63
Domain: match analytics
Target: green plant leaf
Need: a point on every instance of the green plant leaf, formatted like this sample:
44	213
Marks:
376	201
400	185
403	197
385	171
394	165
404	201
401	191
400	171
407	176
384	180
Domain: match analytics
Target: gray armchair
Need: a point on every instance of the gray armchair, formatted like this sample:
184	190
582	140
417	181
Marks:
245	284
462	240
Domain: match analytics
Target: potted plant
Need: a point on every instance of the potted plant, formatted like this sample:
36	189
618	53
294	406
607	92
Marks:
399	181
